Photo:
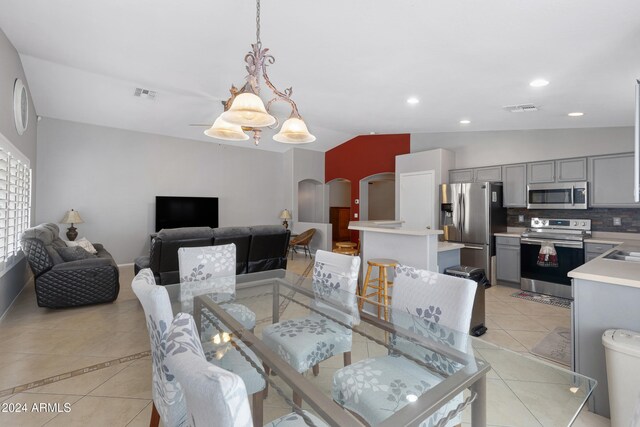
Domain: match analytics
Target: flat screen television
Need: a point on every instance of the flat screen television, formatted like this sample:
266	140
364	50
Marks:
174	212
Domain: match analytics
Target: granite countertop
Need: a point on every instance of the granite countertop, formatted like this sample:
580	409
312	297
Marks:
601	269
391	227
449	246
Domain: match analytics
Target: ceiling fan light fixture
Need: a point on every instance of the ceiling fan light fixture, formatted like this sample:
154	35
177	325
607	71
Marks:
247	109
222	129
294	131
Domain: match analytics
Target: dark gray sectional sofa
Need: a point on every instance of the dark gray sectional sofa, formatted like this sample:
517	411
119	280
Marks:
258	248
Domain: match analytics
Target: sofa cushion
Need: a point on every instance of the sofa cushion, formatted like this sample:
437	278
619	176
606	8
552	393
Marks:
241	237
268	248
74	253
185	233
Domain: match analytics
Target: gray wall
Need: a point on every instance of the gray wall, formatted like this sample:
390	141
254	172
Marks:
13	280
112	176
382	197
474	149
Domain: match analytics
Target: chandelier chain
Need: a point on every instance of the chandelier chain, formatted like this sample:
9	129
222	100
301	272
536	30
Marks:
258	22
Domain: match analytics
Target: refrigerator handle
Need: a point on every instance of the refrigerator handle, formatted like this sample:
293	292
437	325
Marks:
459	222
462	214
476	247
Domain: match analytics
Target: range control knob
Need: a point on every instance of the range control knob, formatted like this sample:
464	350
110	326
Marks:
584	223
575	223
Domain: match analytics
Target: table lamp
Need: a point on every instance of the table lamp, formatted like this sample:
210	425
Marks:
72	217
284	216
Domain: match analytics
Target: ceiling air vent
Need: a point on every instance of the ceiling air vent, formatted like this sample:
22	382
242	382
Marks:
520	108
145	93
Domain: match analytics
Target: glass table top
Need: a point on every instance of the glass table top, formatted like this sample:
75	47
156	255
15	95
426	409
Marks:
499	387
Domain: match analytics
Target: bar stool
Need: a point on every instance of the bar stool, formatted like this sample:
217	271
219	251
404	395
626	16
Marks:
350	245
381	284
347	248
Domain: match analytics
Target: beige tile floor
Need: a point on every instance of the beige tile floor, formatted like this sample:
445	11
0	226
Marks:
40	343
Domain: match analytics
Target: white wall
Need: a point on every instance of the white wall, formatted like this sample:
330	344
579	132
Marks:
439	160
474	149
13	280
382	200
339	194
112	176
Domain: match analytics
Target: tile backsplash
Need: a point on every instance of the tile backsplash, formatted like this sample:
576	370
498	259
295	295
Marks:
601	218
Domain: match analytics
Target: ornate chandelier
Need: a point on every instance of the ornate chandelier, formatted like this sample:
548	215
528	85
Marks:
244	111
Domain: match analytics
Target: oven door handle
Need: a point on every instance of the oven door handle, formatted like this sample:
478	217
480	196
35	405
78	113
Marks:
559	243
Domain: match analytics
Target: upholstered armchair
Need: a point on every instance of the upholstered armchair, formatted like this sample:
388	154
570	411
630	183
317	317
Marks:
62	283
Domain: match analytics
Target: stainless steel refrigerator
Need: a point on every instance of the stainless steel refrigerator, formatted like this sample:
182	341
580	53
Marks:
470	213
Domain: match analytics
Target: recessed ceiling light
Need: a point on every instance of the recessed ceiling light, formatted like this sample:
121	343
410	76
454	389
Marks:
539	83
465	122
413	100
575	114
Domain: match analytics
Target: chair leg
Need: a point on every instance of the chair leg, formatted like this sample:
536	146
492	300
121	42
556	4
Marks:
258	408
316	369
386	293
155	416
346	357
267	371
297	400
364	288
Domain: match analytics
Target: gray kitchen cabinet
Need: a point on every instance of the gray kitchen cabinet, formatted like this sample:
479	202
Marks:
514	189
611	181
489	174
461	175
571	170
508	259
594	250
541	172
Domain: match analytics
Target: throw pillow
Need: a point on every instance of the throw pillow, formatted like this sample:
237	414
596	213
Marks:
75	253
83	243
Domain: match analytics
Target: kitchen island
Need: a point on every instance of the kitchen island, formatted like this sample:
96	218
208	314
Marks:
605	296
417	247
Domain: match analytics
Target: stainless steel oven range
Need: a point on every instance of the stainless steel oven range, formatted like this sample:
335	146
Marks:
548	275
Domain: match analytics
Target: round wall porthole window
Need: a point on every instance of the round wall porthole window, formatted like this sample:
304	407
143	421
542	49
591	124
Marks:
20	106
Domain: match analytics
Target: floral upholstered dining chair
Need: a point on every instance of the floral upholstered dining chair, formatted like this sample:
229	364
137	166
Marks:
212	393
167	394
206	269
306	341
426	303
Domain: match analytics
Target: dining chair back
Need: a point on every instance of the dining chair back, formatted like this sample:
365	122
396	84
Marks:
206	269
211	393
168	398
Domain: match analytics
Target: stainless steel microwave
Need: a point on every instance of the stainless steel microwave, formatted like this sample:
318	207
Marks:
562	195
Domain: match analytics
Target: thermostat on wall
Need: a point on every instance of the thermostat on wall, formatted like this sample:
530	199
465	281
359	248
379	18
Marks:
356	201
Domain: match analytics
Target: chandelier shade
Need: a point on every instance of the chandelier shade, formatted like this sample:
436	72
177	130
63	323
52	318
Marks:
222	129
294	131
247	109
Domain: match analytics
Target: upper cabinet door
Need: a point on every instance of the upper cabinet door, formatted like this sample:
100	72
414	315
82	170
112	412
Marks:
611	181
461	175
541	172
514	179
490	174
572	170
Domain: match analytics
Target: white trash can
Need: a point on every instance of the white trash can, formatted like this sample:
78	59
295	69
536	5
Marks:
622	352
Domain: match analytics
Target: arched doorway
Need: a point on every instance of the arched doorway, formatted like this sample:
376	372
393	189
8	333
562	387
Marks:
377	197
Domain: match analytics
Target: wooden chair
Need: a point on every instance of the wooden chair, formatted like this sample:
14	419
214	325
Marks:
303	239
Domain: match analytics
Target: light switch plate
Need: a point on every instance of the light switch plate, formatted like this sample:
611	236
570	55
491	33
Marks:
617	221
355	215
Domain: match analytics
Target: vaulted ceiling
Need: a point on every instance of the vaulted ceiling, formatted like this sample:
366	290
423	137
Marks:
352	64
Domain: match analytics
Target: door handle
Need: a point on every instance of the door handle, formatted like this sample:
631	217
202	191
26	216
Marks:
474	247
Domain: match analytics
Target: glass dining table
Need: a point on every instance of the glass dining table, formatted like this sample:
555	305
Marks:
488	384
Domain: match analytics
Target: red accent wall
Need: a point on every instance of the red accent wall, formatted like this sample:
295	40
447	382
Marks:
361	157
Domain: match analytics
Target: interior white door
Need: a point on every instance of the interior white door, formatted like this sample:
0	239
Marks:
417	199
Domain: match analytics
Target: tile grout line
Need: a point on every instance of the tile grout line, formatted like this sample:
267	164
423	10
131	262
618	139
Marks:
77	372
141	411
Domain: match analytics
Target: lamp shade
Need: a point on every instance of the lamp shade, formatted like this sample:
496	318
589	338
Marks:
248	110
285	214
294	131
225	130
71	217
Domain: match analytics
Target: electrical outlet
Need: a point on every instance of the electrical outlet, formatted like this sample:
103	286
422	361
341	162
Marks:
355	215
617	221
520	218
